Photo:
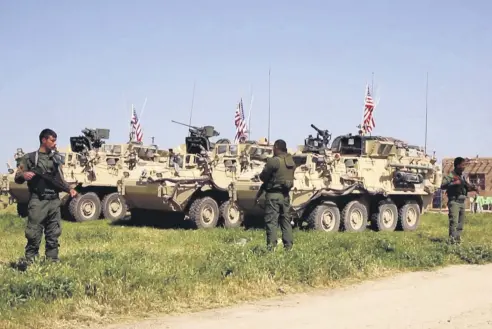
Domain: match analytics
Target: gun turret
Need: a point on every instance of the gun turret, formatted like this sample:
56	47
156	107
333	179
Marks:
91	139
205	131
318	143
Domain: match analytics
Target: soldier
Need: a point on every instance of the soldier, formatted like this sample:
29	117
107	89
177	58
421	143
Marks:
278	178
457	189
41	169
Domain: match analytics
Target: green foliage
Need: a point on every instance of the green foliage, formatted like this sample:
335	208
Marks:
108	272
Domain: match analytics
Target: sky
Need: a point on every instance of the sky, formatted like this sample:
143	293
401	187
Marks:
68	65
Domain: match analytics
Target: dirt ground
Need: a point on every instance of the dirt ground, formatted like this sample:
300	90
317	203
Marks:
454	297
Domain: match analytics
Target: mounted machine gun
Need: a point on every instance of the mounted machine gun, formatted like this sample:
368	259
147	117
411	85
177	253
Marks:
319	143
199	138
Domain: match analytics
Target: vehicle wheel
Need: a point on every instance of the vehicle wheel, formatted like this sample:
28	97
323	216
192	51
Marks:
22	210
114	207
85	207
386	217
409	216
204	212
230	213
325	217
354	217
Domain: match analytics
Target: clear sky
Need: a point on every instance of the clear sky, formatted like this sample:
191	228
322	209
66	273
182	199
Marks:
68	65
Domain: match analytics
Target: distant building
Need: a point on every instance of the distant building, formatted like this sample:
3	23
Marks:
479	172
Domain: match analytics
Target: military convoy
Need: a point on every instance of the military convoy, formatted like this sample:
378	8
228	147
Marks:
354	181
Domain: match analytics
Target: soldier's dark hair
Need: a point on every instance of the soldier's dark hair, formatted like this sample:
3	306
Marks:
46	133
280	145
458	161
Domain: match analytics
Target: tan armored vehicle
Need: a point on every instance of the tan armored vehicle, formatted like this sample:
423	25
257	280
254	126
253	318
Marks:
95	167
359	179
197	185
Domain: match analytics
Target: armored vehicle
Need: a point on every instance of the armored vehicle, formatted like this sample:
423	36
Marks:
356	180
94	167
197	186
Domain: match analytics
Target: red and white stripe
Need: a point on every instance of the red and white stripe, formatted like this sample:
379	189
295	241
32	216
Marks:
369	123
136	129
240	123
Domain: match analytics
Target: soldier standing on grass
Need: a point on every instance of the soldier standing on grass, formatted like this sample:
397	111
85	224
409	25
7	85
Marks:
457	189
278	178
44	203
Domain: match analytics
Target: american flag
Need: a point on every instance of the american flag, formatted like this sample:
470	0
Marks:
369	123
136	129
240	122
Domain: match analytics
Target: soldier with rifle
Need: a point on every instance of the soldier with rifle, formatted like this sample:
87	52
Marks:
457	188
278	178
41	169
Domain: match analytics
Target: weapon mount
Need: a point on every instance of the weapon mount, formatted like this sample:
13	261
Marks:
318	143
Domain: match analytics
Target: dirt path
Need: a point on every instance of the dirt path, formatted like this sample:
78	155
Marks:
455	297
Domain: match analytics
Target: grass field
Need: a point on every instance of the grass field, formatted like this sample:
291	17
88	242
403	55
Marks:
109	273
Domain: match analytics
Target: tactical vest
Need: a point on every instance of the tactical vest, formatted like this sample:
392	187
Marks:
38	185
456	190
282	179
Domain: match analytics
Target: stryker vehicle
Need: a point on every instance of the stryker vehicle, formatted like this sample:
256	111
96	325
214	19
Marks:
356	180
95	167
197	186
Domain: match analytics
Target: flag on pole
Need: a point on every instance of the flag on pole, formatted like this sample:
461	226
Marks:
136	129
240	122
368	124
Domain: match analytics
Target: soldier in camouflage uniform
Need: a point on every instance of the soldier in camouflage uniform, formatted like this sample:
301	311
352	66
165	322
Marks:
457	189
44	203
278	178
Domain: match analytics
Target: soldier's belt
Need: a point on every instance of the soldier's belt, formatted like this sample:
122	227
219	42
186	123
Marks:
459	198
46	196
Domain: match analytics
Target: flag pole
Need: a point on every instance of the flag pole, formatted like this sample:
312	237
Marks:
131	125
249	114
269	104
192	104
372	84
363	110
426	98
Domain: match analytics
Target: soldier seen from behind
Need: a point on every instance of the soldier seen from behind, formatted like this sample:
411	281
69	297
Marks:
278	178
41	170
457	188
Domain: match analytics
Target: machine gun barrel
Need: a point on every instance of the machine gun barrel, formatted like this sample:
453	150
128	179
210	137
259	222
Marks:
184	124
317	129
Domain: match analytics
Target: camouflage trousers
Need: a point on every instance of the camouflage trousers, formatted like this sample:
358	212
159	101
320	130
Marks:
277	206
456	220
43	215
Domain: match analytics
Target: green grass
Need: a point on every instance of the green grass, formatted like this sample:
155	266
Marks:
109	273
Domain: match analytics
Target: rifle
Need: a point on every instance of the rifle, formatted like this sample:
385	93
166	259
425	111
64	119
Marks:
52	179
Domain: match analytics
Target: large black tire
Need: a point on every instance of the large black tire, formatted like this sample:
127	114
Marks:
354	217
386	216
85	207
114	207
231	215
204	213
22	210
409	216
325	217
